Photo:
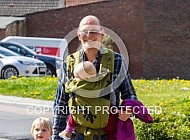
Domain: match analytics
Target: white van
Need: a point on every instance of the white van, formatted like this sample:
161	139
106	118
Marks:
49	46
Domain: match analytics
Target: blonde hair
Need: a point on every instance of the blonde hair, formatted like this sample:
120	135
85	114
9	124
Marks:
46	121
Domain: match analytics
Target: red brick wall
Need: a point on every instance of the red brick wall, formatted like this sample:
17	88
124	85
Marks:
2	33
10	30
125	17
156	32
17	28
167	39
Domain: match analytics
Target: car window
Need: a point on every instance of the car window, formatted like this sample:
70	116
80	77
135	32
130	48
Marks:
7	52
12	48
1	56
21	50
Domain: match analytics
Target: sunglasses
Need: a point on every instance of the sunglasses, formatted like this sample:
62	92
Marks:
92	32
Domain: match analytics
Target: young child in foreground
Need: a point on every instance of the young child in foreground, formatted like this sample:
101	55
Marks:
84	71
41	128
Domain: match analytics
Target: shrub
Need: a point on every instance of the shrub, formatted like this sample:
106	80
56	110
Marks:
172	124
107	41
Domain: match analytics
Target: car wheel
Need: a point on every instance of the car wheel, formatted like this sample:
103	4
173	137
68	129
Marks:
9	71
50	71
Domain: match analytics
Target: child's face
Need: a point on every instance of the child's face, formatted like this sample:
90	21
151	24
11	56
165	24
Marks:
40	132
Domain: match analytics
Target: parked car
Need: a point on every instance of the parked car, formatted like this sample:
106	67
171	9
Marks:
52	62
11	64
49	46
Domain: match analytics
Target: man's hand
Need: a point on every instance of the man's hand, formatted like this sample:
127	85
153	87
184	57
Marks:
124	115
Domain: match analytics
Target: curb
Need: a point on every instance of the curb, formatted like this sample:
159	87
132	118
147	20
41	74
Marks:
25	101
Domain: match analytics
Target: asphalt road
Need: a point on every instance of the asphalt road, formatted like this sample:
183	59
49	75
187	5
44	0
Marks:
17	115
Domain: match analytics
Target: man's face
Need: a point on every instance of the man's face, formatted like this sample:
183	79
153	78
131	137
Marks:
90	36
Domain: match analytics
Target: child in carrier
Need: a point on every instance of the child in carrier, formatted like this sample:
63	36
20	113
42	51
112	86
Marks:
86	71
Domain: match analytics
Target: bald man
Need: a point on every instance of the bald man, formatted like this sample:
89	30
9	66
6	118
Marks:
90	34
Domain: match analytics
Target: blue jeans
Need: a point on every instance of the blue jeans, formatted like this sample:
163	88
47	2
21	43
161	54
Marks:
80	136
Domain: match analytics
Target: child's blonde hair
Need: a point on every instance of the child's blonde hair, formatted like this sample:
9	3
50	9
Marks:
46	121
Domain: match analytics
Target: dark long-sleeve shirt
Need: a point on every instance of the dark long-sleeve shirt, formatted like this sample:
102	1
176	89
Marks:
121	85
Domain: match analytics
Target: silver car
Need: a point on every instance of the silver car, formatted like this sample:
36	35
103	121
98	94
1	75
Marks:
11	64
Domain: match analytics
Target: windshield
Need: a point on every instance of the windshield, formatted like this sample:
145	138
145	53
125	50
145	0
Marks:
29	51
7	52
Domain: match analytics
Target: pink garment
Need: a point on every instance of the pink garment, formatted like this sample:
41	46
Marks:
110	128
125	130
71	125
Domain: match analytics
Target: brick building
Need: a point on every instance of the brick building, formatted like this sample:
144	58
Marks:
156	33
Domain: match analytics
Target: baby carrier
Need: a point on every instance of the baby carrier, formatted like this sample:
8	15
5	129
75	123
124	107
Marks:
88	104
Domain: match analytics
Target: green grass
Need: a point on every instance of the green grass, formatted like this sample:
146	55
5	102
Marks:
150	92
33	87
153	92
173	96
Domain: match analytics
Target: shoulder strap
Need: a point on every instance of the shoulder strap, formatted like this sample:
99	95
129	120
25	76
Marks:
107	59
71	61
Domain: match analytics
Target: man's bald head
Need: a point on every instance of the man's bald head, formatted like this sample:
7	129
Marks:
89	20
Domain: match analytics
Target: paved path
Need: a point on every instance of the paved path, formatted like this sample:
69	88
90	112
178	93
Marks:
24	101
17	115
